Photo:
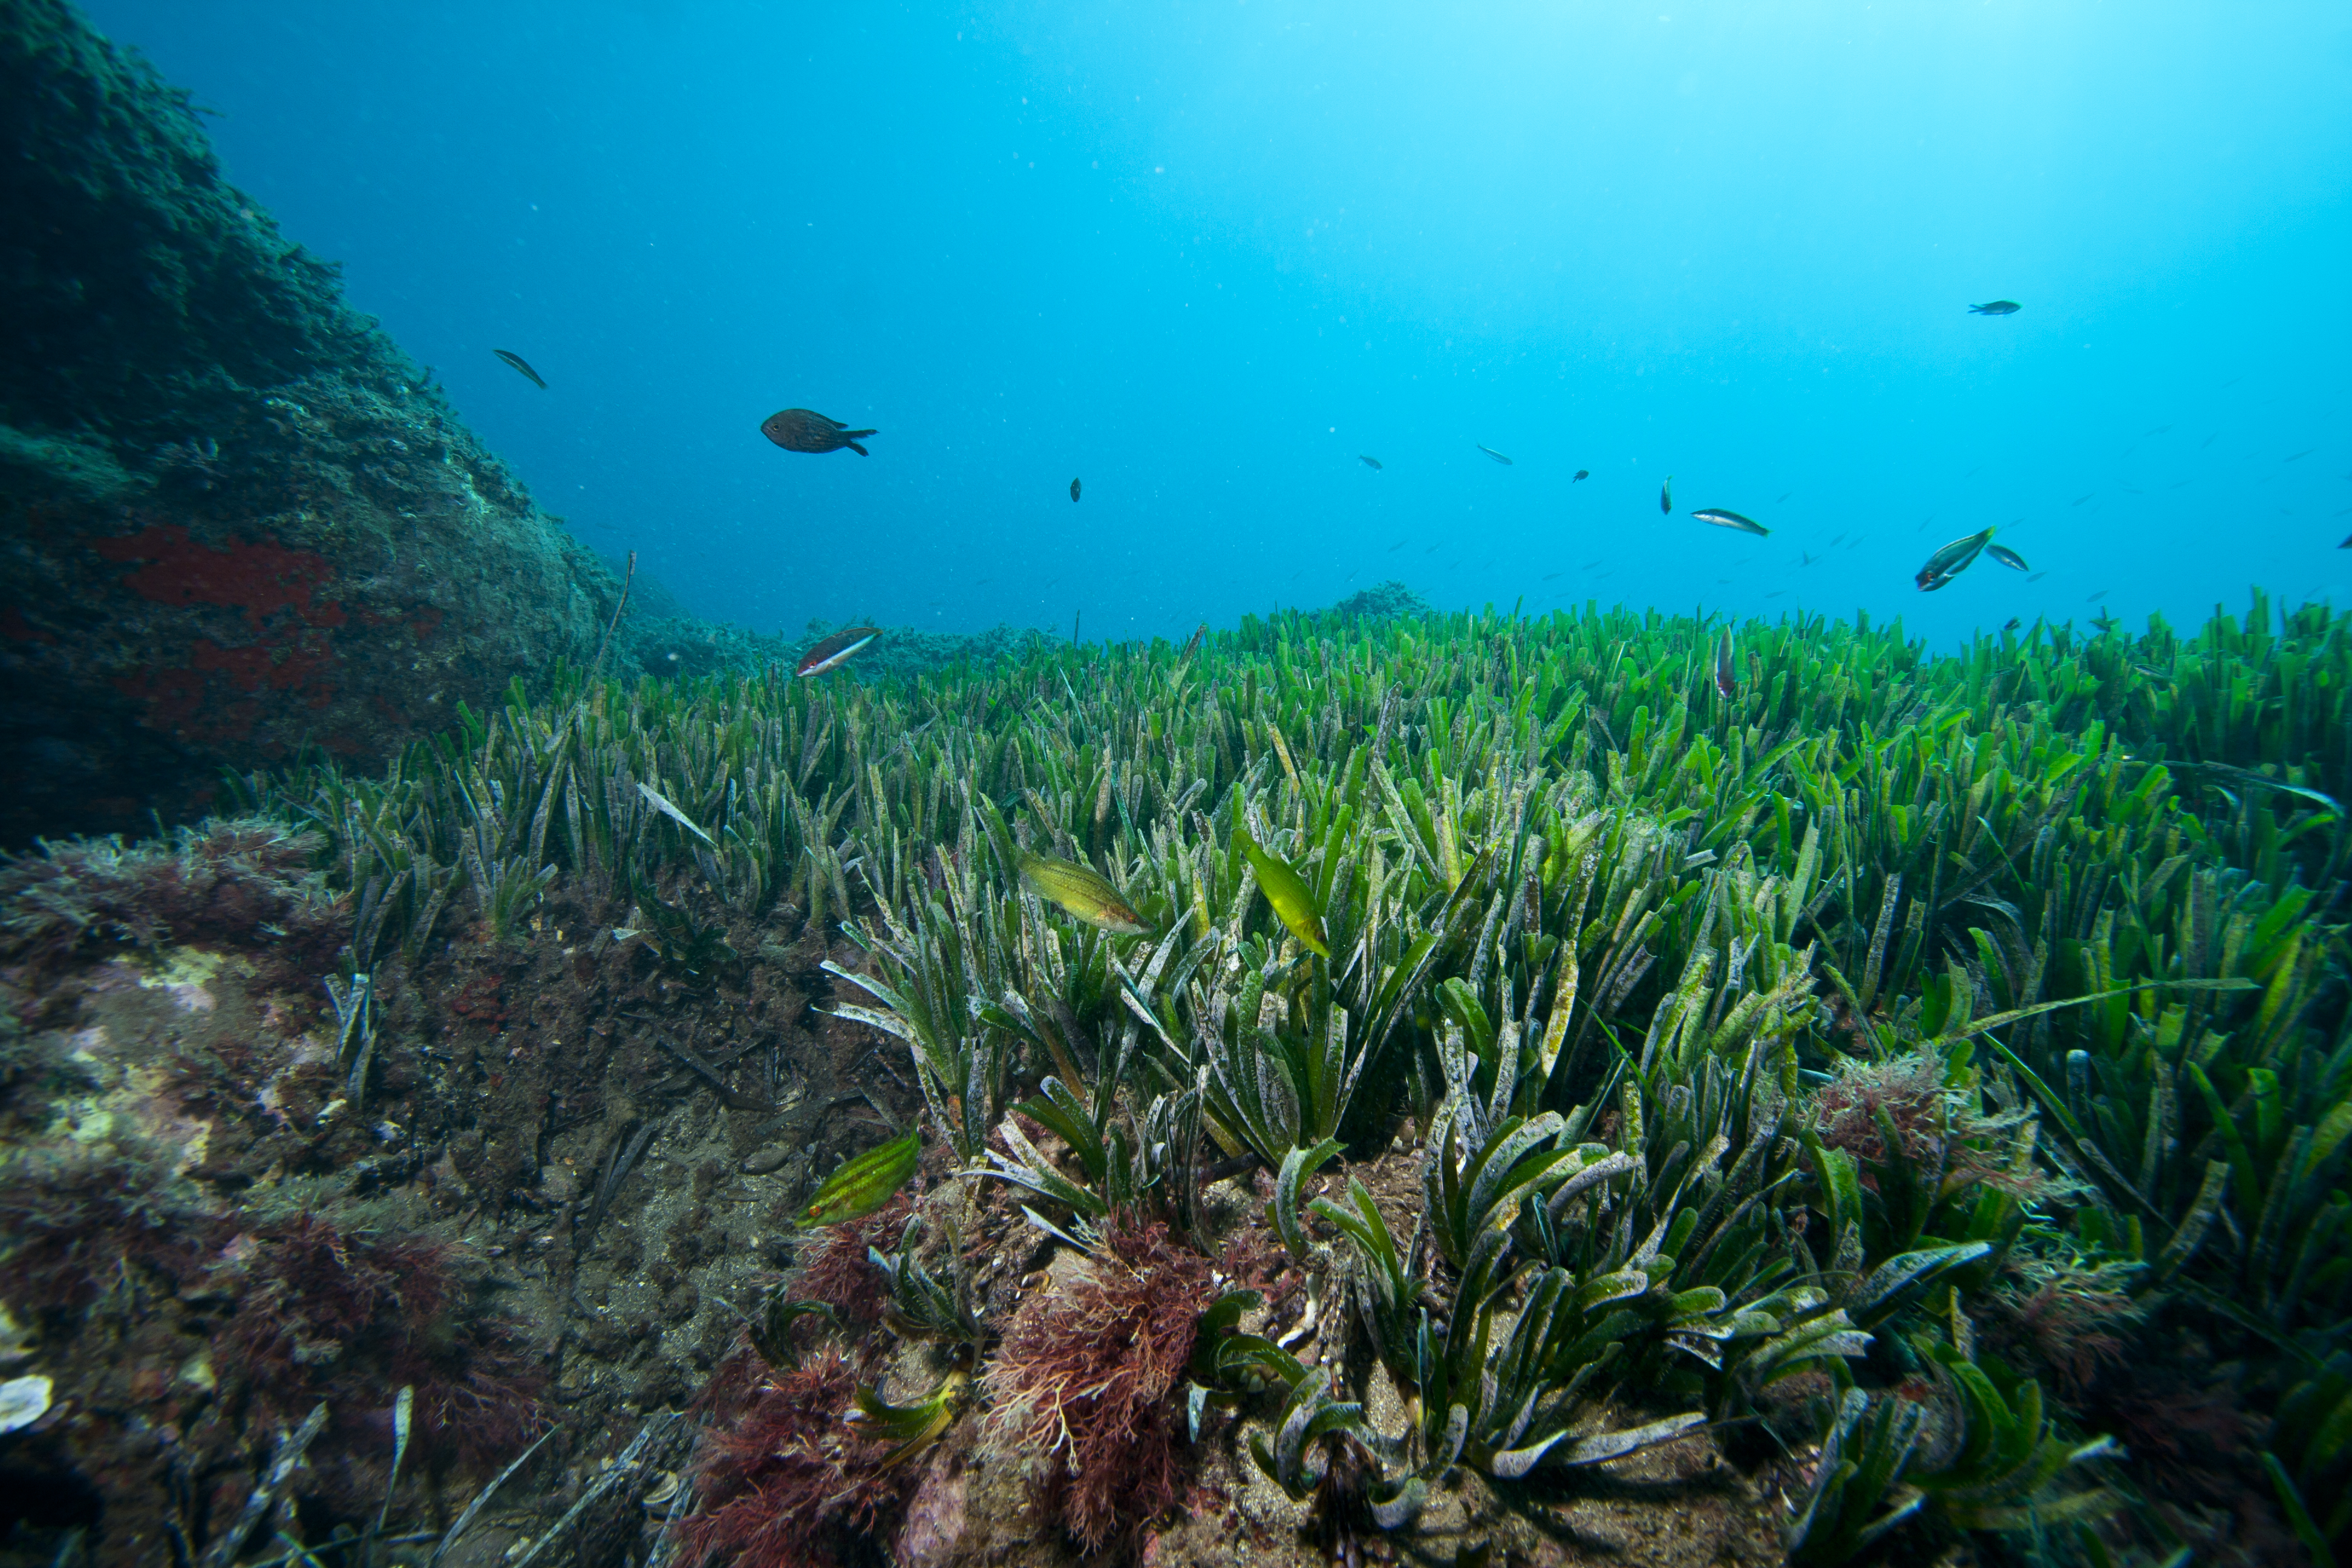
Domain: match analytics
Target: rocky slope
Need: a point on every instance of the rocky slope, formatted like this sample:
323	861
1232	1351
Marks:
235	520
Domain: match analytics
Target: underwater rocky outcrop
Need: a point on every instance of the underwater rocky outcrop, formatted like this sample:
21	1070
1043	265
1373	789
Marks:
237	521
1381	600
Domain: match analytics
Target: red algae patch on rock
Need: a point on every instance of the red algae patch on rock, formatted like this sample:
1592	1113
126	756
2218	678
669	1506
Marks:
259	577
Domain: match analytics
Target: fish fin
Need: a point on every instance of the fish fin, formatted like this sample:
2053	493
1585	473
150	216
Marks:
857	448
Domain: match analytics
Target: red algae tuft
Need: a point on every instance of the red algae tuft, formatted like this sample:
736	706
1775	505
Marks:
838	1273
326	1314
232	880
1084	1375
789	1481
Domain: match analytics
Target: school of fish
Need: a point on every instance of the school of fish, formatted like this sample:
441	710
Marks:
807	431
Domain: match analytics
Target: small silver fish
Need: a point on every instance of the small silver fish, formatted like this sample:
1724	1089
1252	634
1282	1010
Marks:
1490	452
1666	496
1731	520
836	650
1369	462
2007	557
1997	307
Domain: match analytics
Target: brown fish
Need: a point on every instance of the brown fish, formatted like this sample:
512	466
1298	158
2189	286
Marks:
1073	489
807	430
1082	893
834	650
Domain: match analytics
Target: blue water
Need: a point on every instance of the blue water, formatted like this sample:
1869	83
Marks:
1203	255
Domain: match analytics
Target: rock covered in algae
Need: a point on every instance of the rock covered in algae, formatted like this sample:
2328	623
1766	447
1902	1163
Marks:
238	519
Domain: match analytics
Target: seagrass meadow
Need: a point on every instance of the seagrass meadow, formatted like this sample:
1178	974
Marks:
1554	1108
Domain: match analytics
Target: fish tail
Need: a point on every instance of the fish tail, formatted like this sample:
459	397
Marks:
857	448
